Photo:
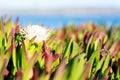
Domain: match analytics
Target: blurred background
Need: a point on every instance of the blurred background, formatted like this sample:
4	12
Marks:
57	13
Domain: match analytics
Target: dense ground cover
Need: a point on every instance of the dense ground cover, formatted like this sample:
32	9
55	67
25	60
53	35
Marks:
88	52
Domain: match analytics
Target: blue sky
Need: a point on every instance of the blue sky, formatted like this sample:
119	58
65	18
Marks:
31	7
54	4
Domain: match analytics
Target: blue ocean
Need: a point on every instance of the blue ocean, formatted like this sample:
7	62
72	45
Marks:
61	21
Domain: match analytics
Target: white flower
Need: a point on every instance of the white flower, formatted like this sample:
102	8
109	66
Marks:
37	32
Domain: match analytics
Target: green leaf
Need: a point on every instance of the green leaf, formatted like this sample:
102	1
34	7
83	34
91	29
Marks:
96	44
99	64
23	54
88	49
75	49
77	67
14	61
29	67
40	60
106	64
1	39
105	39
8	26
94	58
67	49
118	56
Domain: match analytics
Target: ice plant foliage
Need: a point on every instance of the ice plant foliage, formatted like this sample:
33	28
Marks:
36	32
89	52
